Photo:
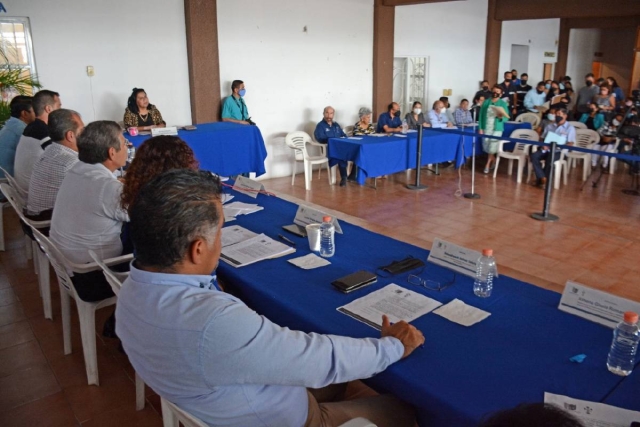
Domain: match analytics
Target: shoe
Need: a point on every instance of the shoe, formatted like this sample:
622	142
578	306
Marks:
605	170
543	182
486	170
109	328
343	182
352	178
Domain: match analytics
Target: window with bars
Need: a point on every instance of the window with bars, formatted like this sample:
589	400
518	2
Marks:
17	64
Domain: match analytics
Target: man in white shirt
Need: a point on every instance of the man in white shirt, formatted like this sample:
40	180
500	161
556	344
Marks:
562	128
64	127
87	214
35	137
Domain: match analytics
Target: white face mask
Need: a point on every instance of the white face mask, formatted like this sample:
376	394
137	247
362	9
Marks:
442	110
417	110
551	117
615	122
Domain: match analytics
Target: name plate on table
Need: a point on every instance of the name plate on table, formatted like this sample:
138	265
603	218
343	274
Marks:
306	215
454	257
247	186
595	305
169	130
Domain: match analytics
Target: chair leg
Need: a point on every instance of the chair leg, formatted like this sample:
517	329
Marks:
307	176
293	173
565	175
328	172
495	170
34	252
169	419
139	393
520	170
333	174
510	167
1	226
586	169
65	305
87	314
27	246
45	287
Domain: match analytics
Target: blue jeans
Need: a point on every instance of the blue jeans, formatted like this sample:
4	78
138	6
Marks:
536	162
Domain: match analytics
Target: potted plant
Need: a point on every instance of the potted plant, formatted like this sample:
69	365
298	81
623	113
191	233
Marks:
14	80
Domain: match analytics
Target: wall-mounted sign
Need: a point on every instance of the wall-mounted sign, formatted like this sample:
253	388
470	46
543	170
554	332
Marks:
549	54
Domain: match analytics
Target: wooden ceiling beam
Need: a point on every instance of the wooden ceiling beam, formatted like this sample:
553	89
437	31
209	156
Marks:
509	10
410	2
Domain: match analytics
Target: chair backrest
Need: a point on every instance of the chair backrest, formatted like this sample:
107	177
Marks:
586	138
12	182
184	417
578	125
18	203
298	141
527	134
532	118
112	277
56	259
348	130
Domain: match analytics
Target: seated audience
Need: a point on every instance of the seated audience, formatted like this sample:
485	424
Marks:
629	135
154	157
21	115
535	99
390	122
211	355
65	126
493	114
522	88
568	88
547	119
562	128
326	129
605	100
553	92
438	116
140	113
364	125
594	119
532	415
616	91
585	95
35	137
416	118
87	214
485	90
601	81
234	109
462	114
447	105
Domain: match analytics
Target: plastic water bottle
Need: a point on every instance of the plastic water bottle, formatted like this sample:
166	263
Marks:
131	152
327	232
405	126
485	272
624	346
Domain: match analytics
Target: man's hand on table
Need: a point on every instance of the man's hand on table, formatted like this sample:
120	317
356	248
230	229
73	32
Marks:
409	336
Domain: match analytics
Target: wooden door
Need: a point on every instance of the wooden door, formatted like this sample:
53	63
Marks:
596	69
547	72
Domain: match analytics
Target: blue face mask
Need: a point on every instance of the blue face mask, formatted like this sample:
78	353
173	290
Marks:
548	86
241	92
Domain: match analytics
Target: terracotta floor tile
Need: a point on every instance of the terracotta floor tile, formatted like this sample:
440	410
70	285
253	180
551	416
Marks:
15	333
19	357
70	370
50	411
7	296
27	386
126	416
11	313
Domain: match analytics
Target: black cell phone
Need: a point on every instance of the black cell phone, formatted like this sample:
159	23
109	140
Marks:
355	281
296	229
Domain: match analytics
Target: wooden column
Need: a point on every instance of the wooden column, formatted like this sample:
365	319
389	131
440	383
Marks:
201	19
492	46
563	49
383	27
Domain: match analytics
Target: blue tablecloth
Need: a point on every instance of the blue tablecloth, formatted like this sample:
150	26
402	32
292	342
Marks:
627	394
461	374
224	148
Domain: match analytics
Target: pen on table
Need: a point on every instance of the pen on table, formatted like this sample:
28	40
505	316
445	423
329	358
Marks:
284	239
421	345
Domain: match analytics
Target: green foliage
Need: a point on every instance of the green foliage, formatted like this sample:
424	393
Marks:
13	77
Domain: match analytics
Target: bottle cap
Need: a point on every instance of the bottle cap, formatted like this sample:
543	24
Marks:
326	218
487	252
631	317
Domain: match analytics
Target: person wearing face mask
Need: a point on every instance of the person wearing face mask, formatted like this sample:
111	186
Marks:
561	127
390	122
535	99
547	119
594	119
234	109
605	100
438	116
522	88
508	89
493	114
462	114
514	77
485	90
415	118
586	94
445	102
477	105
553	94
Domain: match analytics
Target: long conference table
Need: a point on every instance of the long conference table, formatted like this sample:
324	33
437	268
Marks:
224	148
463	373
384	155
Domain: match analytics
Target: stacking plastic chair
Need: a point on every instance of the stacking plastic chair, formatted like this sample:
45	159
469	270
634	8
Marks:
532	118
40	259
561	170
585	138
578	125
23	196
520	152
86	310
298	141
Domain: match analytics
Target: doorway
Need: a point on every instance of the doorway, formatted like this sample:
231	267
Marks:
410	81
520	58
547	72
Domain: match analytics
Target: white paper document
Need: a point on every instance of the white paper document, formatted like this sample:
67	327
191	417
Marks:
235	234
552	136
454	257
461	313
239	208
400	135
355	138
309	262
306	215
255	249
594	414
594	305
247	186
396	302
226	197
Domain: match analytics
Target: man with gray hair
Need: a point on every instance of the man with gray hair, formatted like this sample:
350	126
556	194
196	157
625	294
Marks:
208	353
65	126
326	129
87	214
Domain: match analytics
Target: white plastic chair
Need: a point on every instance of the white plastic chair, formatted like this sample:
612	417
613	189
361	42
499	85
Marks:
2	206
358	422
40	259
23	196
585	138
348	130
520	152
612	160
578	125
532	118
298	141
86	310
560	168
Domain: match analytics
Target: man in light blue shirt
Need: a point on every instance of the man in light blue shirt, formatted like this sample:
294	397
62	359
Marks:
562	128
438	116
211	355
234	109
22	114
535	98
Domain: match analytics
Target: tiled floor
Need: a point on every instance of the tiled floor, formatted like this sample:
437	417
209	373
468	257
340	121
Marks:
596	242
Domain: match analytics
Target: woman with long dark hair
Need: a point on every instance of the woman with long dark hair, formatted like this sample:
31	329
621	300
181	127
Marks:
140	113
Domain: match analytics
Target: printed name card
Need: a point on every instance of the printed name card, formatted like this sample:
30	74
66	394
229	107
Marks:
169	130
454	257
306	215
247	186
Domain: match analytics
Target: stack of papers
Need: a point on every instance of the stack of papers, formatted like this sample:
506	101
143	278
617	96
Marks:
242	247
309	262
461	313
232	210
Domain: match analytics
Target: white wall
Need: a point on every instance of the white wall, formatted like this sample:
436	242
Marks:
541	35
131	43
583	43
452	35
290	74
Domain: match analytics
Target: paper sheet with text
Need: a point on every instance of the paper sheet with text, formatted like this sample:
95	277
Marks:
594	414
